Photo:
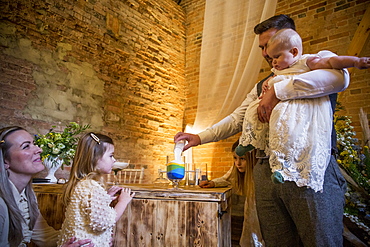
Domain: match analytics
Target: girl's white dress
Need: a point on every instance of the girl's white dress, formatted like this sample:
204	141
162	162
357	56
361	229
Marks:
88	215
297	138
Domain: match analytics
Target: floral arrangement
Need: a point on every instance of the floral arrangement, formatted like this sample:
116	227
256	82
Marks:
60	145
355	163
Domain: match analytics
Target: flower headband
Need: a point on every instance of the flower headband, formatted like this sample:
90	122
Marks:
93	136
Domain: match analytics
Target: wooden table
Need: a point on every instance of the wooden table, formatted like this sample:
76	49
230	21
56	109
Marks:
49	197
160	216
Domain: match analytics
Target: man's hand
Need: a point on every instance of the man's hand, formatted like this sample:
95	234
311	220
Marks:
266	105
193	140
71	243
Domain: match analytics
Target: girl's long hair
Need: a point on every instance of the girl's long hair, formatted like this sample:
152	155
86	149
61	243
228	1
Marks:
243	182
90	148
15	216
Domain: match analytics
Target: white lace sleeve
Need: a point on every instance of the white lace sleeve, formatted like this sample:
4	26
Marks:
101	215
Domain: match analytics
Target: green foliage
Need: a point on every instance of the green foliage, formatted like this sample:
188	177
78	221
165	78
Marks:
60	145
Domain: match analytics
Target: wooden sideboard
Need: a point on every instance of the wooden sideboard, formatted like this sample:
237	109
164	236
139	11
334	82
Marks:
49	197
159	216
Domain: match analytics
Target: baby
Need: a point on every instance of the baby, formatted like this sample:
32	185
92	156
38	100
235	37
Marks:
295	124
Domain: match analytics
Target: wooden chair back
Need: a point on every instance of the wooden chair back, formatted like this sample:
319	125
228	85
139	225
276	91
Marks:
131	176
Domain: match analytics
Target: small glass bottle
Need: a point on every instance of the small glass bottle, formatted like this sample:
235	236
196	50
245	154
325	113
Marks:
161	181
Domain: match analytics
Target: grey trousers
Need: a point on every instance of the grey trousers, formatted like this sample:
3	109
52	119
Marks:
297	216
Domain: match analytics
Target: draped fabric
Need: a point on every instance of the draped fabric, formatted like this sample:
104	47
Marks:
230	57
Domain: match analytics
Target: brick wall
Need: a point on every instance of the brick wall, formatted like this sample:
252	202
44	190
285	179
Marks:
217	155
322	24
120	66
117	65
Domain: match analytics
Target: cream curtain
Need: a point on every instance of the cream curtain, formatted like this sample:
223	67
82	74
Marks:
230	57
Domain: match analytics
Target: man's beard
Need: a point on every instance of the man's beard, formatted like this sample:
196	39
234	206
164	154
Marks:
269	61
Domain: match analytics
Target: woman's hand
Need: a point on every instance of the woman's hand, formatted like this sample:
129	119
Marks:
207	184
71	243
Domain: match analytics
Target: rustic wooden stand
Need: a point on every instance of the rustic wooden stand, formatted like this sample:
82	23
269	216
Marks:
160	216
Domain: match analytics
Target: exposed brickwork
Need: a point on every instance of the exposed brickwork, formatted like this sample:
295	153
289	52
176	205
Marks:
117	65
326	25
131	68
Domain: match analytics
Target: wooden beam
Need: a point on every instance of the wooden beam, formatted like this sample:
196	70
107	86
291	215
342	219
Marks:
360	39
361	36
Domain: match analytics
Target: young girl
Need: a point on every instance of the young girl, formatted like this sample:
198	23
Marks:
295	125
240	176
89	214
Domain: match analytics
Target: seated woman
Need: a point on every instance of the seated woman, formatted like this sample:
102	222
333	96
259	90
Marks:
240	177
20	218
